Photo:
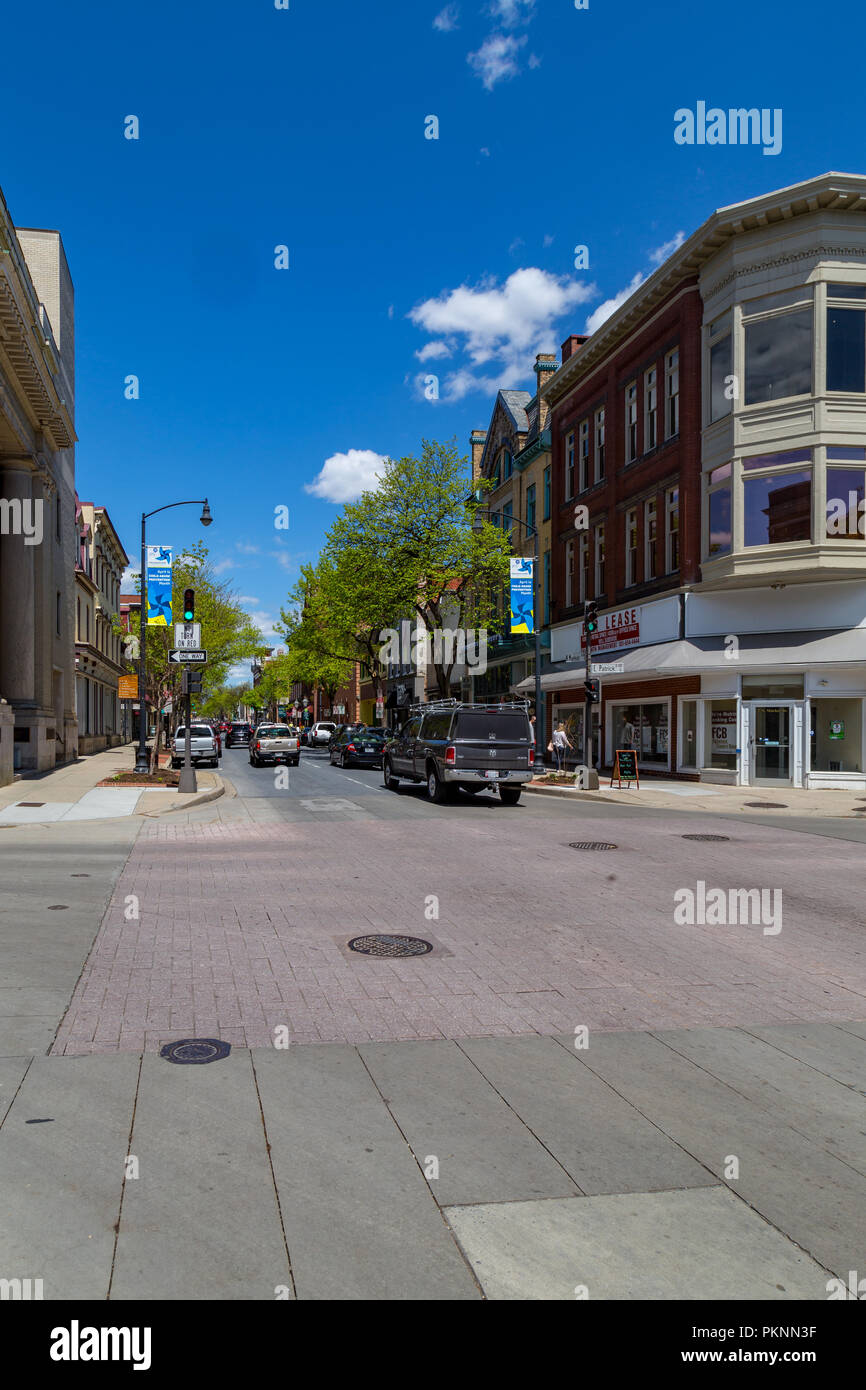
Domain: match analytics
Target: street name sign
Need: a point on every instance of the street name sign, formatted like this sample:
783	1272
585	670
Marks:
176	657
613	668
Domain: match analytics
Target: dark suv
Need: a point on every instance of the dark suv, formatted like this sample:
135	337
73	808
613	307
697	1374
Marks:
471	746
239	734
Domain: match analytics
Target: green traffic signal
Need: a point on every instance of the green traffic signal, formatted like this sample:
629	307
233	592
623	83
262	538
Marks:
188	605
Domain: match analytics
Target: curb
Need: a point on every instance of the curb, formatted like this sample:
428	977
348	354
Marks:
200	799
564	791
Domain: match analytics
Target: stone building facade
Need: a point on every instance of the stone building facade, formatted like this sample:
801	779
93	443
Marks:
38	536
103	722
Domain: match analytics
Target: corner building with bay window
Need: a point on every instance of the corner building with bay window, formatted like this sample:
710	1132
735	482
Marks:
726	545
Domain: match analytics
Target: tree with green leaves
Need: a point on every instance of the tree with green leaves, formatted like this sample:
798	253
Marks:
419	534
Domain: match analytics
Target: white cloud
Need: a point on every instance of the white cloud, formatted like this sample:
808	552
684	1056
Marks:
510	13
484	150
516	245
534	61
345	476
247	549
434	349
390	311
503	324
610	306
446	19
496	59
283	558
247	598
265	623
667	248
548	239
128	580
222	565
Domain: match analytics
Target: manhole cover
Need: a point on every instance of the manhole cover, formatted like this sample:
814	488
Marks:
31	803
768	805
706	837
195	1051
59	907
390	946
591	844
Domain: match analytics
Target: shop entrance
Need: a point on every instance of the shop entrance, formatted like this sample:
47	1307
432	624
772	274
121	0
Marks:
770	745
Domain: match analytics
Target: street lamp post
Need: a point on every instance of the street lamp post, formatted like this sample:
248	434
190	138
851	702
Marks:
539	707
206	519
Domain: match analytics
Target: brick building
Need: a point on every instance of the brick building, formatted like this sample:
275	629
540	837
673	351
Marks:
714	428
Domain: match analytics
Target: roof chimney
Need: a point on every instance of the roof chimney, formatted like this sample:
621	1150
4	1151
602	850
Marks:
477	440
572	343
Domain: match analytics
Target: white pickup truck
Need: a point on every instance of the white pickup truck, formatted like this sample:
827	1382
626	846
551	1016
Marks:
203	745
274	743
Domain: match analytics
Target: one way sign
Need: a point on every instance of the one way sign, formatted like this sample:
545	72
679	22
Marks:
177	657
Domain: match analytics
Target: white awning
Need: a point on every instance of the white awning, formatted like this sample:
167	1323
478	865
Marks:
757	651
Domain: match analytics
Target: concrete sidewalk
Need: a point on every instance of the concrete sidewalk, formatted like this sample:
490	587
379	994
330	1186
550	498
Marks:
72	792
516	1168
703	796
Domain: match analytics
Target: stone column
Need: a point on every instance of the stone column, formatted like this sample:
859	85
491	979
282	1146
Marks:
19	621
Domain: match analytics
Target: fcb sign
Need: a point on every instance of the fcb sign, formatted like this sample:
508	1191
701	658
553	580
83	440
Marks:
522	590
158	585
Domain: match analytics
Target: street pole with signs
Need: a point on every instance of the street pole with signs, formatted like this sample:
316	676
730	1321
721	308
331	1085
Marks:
206	519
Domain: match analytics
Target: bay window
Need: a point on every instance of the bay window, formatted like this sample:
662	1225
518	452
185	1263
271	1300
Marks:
846	338
777	498
846	493
778	356
719	511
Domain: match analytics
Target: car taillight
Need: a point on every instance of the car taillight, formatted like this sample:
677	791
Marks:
531	756
350	748
258	744
450	756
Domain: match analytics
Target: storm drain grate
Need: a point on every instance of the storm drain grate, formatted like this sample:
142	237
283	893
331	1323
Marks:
768	805
706	837
591	844
31	803
195	1051
59	907
390	946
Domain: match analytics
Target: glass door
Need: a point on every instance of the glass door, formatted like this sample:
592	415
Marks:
771	745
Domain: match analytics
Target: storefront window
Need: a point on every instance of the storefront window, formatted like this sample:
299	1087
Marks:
836	735
720	734
643	727
772	687
689	741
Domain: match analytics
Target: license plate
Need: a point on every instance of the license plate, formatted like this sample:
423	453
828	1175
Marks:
368	749
492	775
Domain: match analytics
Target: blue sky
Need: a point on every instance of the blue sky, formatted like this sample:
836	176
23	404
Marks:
305	127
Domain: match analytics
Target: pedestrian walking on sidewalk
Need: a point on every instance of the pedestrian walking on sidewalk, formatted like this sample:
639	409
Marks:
558	745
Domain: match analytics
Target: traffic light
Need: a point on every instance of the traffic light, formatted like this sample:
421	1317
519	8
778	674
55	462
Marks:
591	689
191	683
189	605
590	618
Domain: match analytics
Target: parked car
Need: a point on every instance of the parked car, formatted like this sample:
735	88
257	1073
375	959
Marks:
203	746
274	743
358	747
475	747
239	733
320	733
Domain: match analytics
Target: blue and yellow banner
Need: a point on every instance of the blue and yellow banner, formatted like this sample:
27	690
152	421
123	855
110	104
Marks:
158	586
522	591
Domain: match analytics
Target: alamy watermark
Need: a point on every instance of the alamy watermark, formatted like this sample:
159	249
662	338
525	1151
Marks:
737	126
22	517
444	646
713	907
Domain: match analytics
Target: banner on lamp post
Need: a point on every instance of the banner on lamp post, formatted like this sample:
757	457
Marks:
522	596
158	592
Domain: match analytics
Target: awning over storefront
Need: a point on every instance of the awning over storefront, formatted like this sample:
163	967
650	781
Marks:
756	651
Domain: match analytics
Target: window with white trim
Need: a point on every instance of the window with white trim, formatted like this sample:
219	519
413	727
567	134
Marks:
631	546
583	550
583	454
650	410
631	422
599	559
649	539
569	466
672	393
569	573
672	530
599	444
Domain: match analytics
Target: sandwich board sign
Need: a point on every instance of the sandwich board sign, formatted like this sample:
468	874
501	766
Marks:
625	768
